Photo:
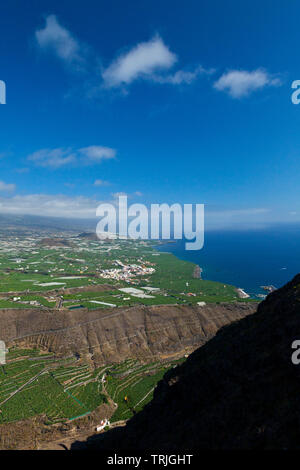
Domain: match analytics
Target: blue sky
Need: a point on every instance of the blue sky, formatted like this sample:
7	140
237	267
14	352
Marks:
169	101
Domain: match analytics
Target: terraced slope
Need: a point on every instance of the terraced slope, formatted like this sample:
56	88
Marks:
239	391
105	336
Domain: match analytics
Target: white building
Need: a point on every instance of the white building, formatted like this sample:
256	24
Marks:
103	423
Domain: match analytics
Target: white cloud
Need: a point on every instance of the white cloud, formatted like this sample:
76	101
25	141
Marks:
49	205
101	183
141	61
118	194
148	60
182	76
81	207
57	39
53	158
6	186
240	83
239	212
54	205
22	170
242	218
96	153
58	157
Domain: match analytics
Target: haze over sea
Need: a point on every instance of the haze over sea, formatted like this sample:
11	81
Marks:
246	259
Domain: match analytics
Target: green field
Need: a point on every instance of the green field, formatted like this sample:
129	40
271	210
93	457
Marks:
39	274
131	385
33	384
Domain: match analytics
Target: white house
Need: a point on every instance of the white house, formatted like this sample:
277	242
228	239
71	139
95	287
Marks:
103	423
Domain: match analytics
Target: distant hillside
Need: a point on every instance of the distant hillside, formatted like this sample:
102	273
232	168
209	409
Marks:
55	242
21	224
240	390
88	236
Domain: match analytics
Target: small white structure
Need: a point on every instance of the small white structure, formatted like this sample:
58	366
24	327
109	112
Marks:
242	294
131	290
70	277
201	304
102	303
143	296
3	352
151	289
49	284
102	425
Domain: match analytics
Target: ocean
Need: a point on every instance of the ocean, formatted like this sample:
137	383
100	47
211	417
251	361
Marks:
246	259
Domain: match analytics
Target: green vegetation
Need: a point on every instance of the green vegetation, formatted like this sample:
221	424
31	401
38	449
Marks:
33	275
90	274
131	385
176	277
32	383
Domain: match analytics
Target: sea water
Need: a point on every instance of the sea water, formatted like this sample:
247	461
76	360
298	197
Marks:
246	259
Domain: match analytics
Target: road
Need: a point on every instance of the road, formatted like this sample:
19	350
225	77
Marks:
24	385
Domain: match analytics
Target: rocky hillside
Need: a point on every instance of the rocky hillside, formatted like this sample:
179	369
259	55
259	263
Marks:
240	390
115	334
55	242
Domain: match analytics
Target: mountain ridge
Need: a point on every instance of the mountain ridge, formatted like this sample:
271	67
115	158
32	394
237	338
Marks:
108	335
238	391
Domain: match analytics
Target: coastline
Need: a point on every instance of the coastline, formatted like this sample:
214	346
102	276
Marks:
245	259
242	294
197	274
